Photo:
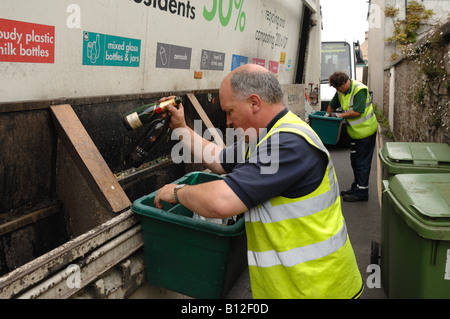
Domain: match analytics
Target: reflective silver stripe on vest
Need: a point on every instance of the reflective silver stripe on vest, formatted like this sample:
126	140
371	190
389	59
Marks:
352	97
299	255
359	121
304	207
367	105
353	94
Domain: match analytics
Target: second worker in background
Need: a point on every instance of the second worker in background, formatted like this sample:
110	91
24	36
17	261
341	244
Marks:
354	98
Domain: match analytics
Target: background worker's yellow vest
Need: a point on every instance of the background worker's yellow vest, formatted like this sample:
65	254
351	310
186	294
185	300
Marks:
365	124
299	247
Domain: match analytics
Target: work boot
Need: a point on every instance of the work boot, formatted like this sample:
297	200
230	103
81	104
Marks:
354	198
347	192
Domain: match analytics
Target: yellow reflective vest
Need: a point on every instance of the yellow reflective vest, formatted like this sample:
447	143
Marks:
365	124
299	247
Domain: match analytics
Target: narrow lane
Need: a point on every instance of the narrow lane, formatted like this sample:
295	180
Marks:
363	218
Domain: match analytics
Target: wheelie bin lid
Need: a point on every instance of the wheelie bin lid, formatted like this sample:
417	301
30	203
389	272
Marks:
425	199
410	157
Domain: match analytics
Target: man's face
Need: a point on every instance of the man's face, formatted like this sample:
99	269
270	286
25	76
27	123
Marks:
344	88
239	112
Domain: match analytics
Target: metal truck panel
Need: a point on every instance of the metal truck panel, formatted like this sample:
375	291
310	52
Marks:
93	48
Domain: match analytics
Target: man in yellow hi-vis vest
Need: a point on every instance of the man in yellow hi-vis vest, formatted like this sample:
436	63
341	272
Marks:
280	175
354	98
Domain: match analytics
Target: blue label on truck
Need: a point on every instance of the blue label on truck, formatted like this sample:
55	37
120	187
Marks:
237	61
109	50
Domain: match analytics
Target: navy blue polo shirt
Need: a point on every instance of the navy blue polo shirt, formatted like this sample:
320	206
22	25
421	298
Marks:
285	165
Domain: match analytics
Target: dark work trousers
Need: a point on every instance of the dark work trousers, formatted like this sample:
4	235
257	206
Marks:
361	152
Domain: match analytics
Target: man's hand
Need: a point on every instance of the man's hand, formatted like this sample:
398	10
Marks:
213	199
177	119
349	114
165	194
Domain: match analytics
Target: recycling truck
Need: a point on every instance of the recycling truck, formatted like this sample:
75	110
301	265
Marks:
338	56
69	71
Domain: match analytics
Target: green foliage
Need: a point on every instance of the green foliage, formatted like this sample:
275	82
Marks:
391	12
383	120
405	31
420	95
425	55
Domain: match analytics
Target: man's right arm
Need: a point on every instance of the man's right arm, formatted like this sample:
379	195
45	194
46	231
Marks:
329	109
334	104
208	154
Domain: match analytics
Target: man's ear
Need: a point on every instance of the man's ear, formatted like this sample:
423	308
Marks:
256	102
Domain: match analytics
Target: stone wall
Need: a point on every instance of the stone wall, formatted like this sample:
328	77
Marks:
385	106
422	90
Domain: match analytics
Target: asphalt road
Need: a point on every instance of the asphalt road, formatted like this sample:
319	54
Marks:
363	218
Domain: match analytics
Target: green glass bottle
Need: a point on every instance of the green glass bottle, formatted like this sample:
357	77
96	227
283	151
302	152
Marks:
142	150
146	113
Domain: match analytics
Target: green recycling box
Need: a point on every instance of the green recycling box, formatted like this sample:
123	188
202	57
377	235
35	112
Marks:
191	256
327	128
414	157
415	253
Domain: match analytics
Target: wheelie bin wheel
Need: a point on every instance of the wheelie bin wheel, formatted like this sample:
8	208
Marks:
374	253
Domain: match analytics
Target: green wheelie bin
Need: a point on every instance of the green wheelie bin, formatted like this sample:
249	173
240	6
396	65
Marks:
417	209
414	157
407	158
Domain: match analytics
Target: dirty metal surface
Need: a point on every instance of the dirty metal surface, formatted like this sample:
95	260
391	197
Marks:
88	159
23	278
